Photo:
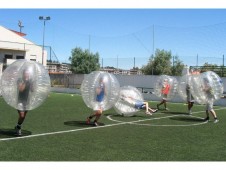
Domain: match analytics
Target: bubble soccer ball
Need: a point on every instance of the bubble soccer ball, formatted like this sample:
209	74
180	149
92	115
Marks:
25	84
184	85
161	82
91	86
126	103
207	80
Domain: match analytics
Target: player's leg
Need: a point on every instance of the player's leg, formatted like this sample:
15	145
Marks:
98	115
21	118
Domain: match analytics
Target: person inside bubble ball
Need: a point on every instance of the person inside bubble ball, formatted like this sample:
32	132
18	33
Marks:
100	94
138	104
190	98
25	86
165	92
210	99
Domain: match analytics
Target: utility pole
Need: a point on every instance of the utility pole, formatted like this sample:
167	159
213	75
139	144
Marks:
117	62
134	62
197	60
102	63
223	67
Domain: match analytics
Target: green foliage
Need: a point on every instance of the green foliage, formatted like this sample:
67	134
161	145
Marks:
161	64
83	62
177	66
209	67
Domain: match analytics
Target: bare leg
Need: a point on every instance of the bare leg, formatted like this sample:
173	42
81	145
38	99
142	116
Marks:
22	115
213	113
21	118
151	110
98	115
92	115
146	106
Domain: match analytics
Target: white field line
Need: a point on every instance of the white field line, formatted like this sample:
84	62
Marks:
194	124
142	120
90	128
60	132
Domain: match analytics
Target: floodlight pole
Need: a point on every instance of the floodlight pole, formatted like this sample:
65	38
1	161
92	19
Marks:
43	43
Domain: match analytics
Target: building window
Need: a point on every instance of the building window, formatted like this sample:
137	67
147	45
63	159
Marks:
19	57
7	56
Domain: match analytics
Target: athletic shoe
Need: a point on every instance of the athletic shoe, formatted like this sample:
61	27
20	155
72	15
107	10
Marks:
155	111
215	121
166	109
148	113
88	121
95	123
18	131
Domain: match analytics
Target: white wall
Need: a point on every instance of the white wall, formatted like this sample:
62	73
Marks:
11	43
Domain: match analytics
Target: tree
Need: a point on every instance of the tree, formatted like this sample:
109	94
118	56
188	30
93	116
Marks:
83	62
178	66
208	67
161	64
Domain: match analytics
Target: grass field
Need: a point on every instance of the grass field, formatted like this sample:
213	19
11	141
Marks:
56	131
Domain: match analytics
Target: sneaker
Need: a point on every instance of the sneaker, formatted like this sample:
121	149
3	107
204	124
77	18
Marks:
215	121
155	111
166	109
95	123
18	131
157	106
88	121
148	113
207	119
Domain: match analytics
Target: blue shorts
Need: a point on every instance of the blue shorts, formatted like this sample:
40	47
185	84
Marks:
139	104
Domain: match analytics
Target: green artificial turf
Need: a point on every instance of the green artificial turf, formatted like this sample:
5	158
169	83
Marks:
56	131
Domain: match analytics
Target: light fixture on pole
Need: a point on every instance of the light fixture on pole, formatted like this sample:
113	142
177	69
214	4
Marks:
43	44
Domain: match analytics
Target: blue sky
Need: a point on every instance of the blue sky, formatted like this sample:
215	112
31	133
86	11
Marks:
126	33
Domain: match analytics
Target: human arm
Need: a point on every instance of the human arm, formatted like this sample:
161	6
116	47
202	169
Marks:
21	86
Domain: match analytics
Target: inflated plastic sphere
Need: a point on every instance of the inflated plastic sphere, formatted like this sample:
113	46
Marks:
161	82
89	89
184	85
0	85
207	80
126	103
25	84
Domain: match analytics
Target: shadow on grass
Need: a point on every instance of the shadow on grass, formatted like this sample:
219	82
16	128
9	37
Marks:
8	133
187	119
175	113
118	115
81	123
